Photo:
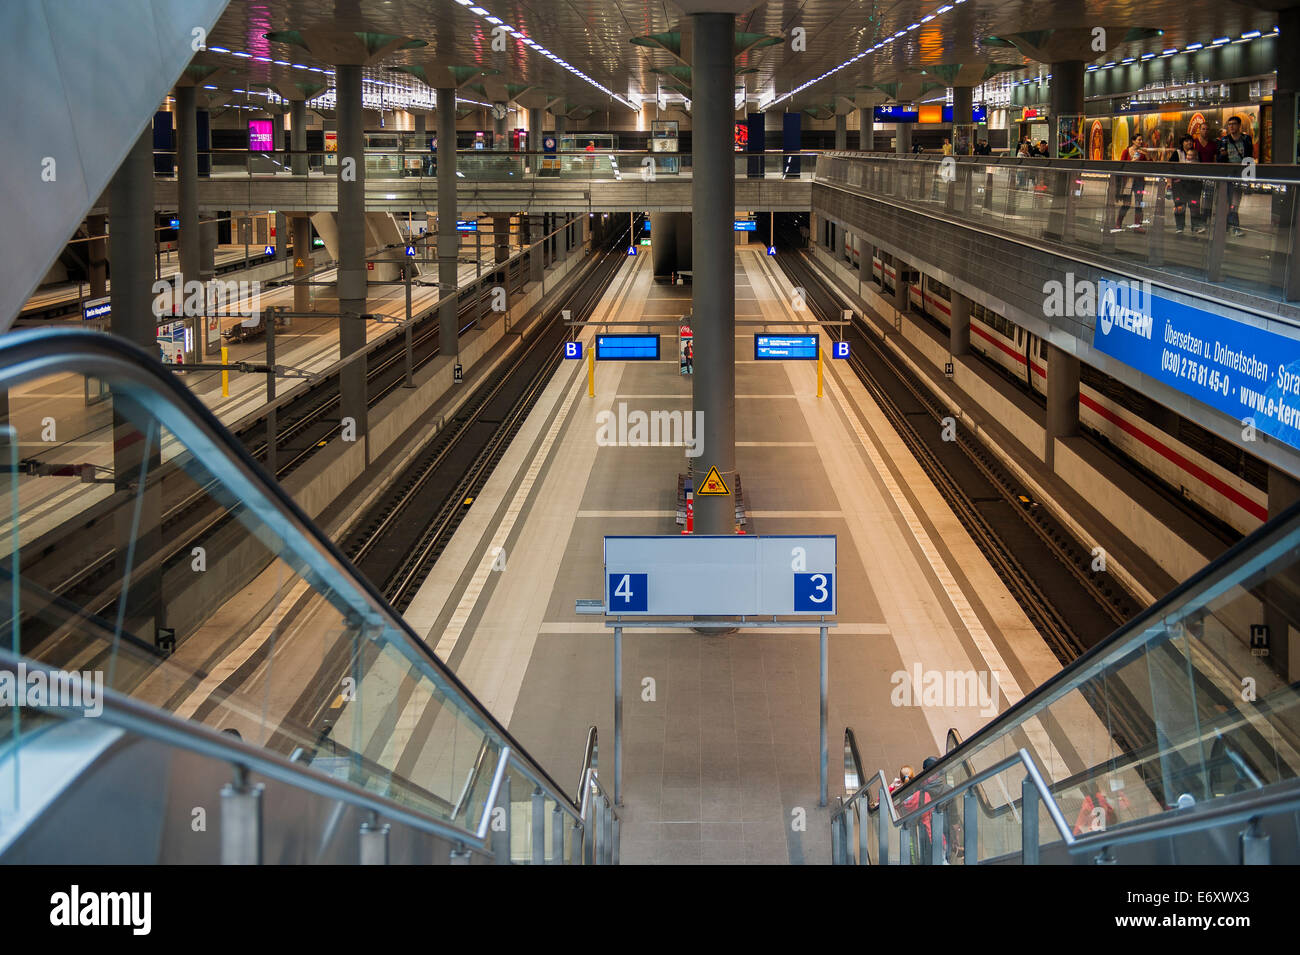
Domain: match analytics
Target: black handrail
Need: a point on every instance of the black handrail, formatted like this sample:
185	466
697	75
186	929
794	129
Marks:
35	346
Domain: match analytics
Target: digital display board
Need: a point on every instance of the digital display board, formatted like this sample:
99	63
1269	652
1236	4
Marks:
1242	370
742	136
627	348
785	347
467	225
924	114
260	137
745	225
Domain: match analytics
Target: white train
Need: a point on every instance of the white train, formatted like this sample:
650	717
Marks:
1216	475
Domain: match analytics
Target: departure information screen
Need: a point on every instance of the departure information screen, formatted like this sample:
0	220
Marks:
627	348
785	347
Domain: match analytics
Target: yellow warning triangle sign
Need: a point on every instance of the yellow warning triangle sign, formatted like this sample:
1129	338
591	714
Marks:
300	264
713	483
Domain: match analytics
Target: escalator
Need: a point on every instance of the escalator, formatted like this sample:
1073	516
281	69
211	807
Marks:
1062	778
125	744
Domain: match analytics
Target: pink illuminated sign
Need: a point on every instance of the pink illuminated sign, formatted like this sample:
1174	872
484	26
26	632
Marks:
260	137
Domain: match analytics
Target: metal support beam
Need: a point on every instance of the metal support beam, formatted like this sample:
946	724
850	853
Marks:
448	238
713	292
187	190
352	242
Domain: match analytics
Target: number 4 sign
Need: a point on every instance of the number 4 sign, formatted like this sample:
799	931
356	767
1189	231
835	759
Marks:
628	593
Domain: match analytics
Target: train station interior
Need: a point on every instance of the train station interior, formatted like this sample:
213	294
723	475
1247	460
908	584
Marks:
387	486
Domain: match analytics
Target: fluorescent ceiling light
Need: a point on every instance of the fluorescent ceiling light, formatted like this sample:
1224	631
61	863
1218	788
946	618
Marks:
1250	34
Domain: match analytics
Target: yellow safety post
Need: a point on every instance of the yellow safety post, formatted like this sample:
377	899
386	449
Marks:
591	374
819	372
225	375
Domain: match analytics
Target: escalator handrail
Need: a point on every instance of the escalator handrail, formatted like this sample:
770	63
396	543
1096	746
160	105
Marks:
149	722
1125	639
31	353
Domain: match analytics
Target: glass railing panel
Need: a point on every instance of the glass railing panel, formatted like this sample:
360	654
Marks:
1187	704
135	552
1201	223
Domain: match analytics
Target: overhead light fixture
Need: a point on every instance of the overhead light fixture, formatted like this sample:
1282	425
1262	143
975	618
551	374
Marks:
1250	34
1147	56
479	10
1220	41
1195	46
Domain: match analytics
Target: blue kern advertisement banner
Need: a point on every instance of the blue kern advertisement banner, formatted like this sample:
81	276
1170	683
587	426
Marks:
1242	370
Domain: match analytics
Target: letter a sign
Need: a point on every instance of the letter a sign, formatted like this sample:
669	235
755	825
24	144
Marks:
713	483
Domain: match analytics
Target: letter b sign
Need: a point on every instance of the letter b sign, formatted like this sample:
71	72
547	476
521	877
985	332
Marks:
573	349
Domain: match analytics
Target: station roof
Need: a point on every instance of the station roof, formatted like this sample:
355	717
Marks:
580	54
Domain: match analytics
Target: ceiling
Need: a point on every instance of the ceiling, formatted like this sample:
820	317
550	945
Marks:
594	36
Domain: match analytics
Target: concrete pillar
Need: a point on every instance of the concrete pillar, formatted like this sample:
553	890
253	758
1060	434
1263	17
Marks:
500	126
187	188
959	327
421	130
900	286
97	255
352	280
866	129
902	138
1065	96
1288	88
448	240
841	131
560	122
301	254
536	258
500	238
1281	607
298	137
1062	399
131	246
131	249
963	102
535	131
713	294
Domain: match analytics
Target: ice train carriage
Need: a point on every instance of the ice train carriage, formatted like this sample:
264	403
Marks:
1215	474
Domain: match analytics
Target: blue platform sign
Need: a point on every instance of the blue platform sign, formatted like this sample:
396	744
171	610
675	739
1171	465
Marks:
410	250
785	347
269	250
627	348
466	225
839	349
1242	370
573	349
745	225
727	574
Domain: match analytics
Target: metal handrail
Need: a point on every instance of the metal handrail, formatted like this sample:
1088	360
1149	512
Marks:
1152	169
1029	820
29	354
146	721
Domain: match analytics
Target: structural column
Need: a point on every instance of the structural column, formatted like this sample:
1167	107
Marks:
1062	400
352	243
1287	93
187	188
535	132
866	129
959	326
448	239
841	131
713	293
499	126
902	138
131	246
97	255
1065	97
280	221
900	286
302	263
963	102
298	137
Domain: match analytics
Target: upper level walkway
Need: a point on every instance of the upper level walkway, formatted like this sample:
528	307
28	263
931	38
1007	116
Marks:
622	181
